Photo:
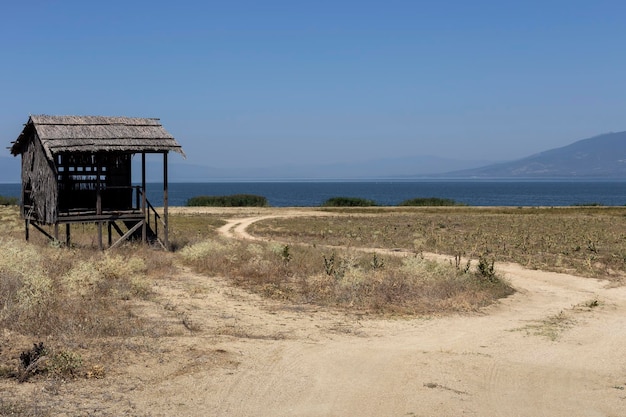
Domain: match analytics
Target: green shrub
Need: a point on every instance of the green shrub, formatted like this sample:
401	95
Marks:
236	200
430	201
8	201
348	202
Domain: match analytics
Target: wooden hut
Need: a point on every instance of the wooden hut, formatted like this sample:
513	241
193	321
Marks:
77	169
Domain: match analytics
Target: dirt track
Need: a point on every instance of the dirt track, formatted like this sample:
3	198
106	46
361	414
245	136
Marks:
548	350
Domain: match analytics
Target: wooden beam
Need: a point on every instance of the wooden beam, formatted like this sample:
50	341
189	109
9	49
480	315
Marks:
117	228
48	235
144	230
128	234
99	200
165	203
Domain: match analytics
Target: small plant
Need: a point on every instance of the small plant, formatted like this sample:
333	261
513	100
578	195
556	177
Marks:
285	254
334	268
329	264
41	360
591	246
65	364
486	269
377	263
457	264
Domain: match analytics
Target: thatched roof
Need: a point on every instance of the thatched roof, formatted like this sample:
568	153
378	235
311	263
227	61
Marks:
97	134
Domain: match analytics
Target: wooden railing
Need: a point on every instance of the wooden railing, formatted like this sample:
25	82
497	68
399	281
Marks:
152	219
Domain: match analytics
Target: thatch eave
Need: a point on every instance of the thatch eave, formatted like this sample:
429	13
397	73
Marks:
95	134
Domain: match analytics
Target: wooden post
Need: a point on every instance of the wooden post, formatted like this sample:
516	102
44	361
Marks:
56	231
99	201
110	240
144	228
67	235
27	232
165	203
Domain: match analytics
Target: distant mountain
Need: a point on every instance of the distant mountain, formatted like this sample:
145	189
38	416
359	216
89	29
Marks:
602	156
10	170
373	169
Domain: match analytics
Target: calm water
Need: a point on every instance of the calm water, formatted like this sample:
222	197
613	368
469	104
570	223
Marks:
475	193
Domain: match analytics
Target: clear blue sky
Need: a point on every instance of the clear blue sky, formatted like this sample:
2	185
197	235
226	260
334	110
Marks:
268	82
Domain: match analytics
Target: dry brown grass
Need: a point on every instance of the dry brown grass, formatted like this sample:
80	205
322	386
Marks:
587	241
346	279
78	298
70	298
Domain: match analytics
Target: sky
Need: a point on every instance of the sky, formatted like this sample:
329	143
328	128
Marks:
271	83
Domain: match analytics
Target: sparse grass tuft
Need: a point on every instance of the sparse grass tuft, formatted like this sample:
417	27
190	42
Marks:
551	327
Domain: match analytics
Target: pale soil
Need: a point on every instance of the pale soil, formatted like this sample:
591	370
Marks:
231	353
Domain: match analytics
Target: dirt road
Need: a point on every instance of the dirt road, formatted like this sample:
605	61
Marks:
555	348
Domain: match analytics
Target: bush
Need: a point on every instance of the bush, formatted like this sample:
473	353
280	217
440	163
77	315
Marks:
348	202
41	360
236	200
8	201
430	201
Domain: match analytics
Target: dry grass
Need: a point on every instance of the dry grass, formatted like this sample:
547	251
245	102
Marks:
345	279
78	299
69	298
583	240
77	293
83	302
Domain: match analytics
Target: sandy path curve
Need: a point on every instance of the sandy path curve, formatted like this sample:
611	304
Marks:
554	348
547	350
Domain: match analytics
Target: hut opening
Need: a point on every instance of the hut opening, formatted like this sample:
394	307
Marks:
77	169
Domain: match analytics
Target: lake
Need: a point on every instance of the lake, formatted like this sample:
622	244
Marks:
392	192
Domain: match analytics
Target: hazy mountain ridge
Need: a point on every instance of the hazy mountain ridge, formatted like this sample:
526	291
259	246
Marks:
602	156
380	168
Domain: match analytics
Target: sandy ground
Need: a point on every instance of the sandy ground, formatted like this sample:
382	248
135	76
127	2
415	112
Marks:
555	348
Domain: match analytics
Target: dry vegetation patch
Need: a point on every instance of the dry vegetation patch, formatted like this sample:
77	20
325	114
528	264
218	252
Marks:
346	279
69	302
589	241
87	306
342	277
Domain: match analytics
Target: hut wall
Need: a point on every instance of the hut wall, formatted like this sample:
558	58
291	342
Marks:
39	187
